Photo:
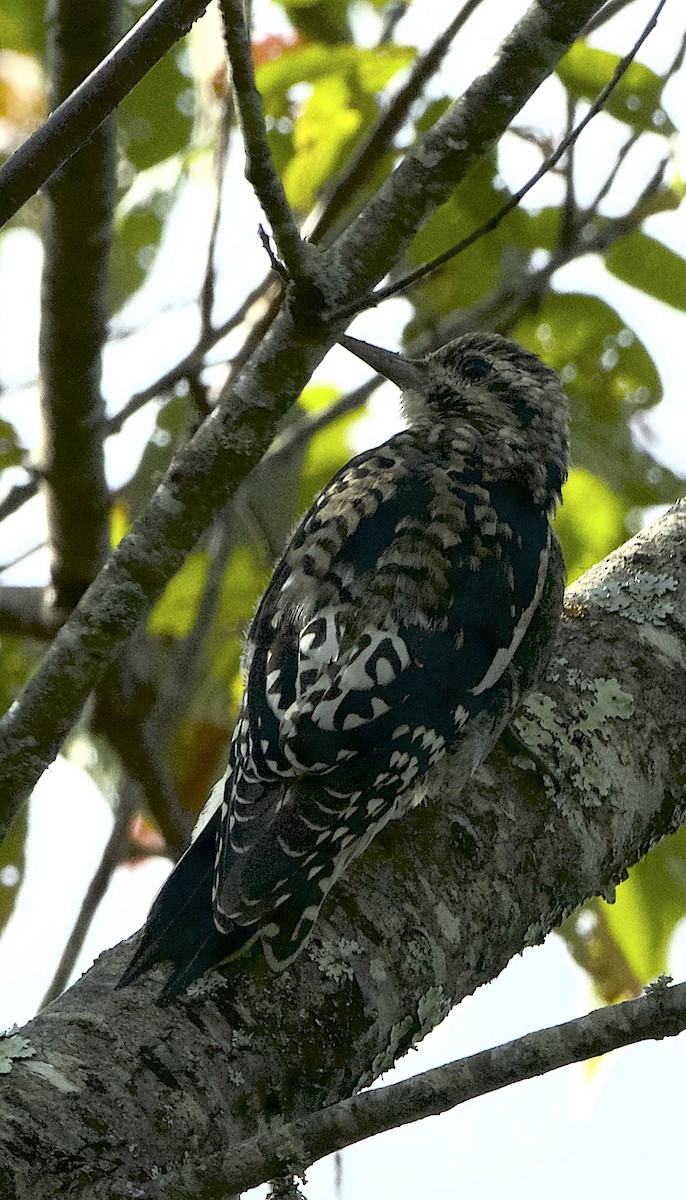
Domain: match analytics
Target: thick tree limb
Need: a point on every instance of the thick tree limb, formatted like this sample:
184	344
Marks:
119	1095
205	473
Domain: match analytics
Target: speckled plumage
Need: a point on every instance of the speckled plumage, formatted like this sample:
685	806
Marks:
411	610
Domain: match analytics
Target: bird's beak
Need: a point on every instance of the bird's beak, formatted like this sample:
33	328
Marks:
406	373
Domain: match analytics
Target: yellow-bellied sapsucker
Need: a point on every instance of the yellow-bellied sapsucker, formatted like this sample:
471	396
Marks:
414	606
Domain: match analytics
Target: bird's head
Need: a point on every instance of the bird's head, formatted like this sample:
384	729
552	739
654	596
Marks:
489	383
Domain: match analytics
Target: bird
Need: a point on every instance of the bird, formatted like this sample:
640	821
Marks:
413	608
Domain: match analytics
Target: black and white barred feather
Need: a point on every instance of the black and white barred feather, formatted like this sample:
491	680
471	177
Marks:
412	609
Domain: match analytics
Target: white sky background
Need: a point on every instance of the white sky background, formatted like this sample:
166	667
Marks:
622	1127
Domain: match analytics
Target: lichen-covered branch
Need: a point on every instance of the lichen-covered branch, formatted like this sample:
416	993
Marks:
109	1089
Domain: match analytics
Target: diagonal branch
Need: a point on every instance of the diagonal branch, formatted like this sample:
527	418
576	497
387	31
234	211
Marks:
71	124
407	281
659	1014
111	858
386	127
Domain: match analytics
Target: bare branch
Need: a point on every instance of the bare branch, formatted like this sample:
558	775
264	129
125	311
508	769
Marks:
112	856
16	497
206	301
385	129
407	281
607	12
258	300
260	170
71	124
23	611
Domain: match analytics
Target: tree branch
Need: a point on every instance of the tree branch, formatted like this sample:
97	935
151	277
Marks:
297	257
71	124
115	1084
23	611
388	124
76	240
111	858
407	281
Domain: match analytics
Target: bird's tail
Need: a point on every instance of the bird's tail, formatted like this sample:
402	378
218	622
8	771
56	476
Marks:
180	928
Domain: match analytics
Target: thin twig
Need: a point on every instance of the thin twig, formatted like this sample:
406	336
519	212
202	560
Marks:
407	281
186	367
206	300
260	169
568	213
606	14
187	668
501	310
387	125
70	125
618	163
393	13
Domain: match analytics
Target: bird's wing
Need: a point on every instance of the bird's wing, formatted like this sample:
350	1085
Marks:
359	678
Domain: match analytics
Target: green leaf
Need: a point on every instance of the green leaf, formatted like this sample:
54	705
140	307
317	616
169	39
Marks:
18	659
170	429
648	265
373	68
11	454
324	131
247	575
328	450
637	98
490	261
310	147
591	522
648	907
177	608
22	27
138	225
12	864
155	119
609	378
320	20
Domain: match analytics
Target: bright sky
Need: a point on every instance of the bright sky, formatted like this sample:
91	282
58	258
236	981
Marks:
573	1132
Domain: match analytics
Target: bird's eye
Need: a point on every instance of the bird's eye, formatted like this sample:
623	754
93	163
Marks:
475	368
